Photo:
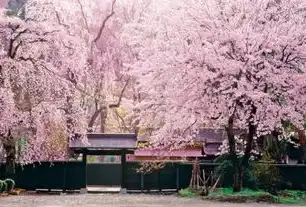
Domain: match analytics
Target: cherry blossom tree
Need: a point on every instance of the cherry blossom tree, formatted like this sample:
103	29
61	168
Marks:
56	69
38	62
230	64
100	24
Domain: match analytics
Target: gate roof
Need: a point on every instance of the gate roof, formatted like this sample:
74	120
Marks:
102	142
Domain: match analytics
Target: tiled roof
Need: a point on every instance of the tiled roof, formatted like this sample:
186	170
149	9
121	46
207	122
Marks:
106	141
211	139
196	152
211	135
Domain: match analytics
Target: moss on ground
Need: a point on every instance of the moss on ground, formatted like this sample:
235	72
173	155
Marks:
187	193
248	195
292	197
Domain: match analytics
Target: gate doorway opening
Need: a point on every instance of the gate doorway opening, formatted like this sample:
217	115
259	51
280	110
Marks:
105	175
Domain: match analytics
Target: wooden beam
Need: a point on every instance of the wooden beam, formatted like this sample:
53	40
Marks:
104	152
177	177
123	170
142	182
84	160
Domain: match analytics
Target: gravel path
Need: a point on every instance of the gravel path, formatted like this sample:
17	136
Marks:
102	200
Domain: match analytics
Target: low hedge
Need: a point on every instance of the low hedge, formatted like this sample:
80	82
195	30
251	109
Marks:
10	184
249	195
6	185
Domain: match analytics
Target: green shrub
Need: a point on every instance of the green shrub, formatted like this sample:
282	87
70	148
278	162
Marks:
292	197
267	175
226	170
1	185
245	195
187	193
4	187
10	184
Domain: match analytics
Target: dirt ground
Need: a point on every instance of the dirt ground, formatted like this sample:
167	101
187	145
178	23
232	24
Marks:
118	200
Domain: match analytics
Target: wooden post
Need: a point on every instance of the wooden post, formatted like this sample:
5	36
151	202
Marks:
123	165
141	182
65	174
159	183
211	178
84	160
177	178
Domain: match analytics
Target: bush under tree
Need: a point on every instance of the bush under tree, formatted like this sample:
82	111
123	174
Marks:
267	174
10	184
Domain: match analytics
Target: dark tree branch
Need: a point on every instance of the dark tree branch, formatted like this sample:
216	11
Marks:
20	33
121	95
122	120
231	137
38	40
104	22
95	116
189	127
83	15
283	53
61	23
250	136
13	55
12	51
216	117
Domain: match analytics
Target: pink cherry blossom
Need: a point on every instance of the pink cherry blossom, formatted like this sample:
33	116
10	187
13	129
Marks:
200	63
39	62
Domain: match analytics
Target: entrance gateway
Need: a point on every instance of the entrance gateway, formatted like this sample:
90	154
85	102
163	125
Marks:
106	144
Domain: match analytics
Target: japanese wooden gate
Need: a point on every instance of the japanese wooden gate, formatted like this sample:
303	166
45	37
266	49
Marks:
106	144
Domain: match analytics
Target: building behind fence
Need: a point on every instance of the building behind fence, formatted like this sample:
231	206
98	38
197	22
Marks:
73	176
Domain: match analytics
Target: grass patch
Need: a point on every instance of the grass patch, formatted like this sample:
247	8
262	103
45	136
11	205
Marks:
187	193
243	192
292	197
247	195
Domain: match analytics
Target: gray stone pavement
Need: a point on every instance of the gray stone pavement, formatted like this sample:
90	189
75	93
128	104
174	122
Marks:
103	200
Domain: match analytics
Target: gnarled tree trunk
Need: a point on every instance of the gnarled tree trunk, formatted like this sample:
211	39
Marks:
232	154
239	167
10	150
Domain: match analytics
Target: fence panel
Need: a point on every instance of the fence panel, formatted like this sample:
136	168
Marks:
132	178
75	176
168	179
185	171
293	176
46	175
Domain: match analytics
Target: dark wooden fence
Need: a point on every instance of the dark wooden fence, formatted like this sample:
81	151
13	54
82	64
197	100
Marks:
293	176
46	175
71	176
173	176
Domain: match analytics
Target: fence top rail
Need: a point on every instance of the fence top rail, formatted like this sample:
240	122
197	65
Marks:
217	164
169	163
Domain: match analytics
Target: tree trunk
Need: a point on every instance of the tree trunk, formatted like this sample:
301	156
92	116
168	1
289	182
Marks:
239	168
10	150
238	182
10	166
103	116
245	159
232	154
